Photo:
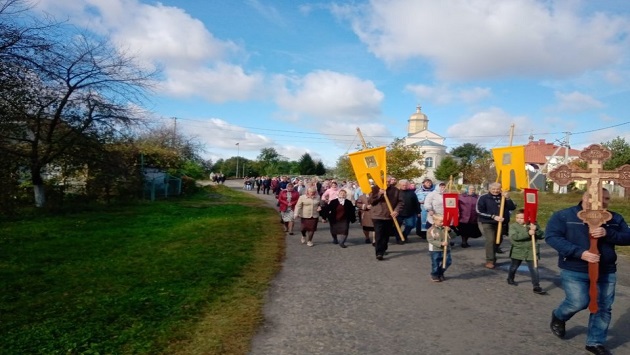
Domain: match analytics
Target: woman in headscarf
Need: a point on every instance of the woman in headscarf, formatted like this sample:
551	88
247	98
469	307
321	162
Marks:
340	213
307	208
468	227
287	199
365	214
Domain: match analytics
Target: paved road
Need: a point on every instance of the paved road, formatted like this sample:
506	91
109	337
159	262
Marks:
329	300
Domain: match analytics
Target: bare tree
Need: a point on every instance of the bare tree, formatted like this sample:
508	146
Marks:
71	88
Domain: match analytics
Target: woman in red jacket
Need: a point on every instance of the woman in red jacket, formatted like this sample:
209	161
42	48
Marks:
287	199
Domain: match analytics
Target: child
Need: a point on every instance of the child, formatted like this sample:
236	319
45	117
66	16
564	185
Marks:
521	236
437	242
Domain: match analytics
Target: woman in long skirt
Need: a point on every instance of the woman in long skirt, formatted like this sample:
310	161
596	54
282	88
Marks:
307	208
340	213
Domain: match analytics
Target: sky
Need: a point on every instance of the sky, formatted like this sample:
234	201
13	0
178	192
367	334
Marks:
302	76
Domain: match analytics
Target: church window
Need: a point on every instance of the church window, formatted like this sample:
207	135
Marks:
428	162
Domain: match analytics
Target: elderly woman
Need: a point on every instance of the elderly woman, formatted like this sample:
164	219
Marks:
307	208
468	227
340	213
365	216
287	199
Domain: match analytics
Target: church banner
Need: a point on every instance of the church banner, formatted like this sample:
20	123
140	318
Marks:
372	162
531	205
508	159
451	209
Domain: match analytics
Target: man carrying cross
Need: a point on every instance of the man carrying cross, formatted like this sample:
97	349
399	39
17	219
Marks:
585	237
570	237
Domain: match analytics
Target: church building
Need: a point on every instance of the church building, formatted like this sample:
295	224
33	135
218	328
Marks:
431	144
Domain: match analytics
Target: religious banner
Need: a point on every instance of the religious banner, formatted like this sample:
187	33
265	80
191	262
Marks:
531	205
508	159
451	209
372	162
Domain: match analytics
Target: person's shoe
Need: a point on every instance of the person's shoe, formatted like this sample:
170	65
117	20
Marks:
489	265
343	245
558	327
310	244
367	241
435	279
379	257
465	245
303	240
400	242
500	251
452	244
539	291
511	282
442	278
335	241
598	349
373	244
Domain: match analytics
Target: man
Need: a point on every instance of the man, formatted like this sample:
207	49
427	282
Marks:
569	236
489	217
410	213
382	217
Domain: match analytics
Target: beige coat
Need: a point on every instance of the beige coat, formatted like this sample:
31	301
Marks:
306	207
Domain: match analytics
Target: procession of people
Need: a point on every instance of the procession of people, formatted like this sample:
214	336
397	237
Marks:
342	203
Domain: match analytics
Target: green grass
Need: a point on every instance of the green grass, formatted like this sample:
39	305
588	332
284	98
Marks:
134	279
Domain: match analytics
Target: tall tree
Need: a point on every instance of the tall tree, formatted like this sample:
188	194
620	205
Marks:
269	162
306	165
320	170
75	87
403	161
620	150
343	169
469	154
448	167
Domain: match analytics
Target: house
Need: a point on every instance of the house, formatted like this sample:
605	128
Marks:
542	157
430	143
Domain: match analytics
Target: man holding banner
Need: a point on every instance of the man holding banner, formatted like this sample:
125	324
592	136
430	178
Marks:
489	215
382	217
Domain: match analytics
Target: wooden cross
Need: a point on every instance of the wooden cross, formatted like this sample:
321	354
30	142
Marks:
593	214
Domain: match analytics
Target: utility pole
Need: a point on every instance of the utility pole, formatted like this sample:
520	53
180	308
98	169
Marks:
174	131
238	153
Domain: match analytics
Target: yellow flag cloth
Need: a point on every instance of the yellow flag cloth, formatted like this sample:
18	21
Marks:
373	162
507	159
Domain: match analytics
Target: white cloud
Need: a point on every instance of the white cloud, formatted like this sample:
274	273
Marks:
194	62
576	101
224	82
443	94
330	96
490	128
483	38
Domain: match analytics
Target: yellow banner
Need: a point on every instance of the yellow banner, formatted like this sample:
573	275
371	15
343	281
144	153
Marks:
372	162
508	159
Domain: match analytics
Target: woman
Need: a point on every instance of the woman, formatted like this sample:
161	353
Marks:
468	227
365	216
287	199
340	213
307	208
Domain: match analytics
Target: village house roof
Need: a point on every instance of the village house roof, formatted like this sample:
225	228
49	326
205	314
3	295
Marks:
536	152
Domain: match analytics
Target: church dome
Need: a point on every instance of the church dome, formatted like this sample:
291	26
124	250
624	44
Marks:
418	122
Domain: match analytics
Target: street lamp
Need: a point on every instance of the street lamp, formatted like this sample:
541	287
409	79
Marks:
238	153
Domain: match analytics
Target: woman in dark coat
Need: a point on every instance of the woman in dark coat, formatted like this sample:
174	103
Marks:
339	213
468	227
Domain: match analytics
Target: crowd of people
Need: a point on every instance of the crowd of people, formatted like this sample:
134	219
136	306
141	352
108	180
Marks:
402	206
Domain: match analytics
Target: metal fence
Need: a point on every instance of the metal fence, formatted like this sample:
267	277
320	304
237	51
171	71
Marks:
161	185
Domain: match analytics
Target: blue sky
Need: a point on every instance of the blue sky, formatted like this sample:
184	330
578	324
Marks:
301	76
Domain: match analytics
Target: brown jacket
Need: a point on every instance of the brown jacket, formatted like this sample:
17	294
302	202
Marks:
379	205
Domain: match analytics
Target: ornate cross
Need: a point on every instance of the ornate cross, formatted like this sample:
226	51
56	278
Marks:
593	214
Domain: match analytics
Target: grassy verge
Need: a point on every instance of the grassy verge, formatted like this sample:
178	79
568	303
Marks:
185	276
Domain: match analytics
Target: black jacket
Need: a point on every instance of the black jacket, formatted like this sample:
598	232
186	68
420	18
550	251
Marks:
488	205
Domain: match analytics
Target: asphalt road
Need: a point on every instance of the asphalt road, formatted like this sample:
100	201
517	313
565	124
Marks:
329	300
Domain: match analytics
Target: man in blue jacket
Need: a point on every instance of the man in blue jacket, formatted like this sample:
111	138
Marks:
569	235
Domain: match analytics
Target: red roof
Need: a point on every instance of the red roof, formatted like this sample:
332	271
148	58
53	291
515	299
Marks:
537	151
